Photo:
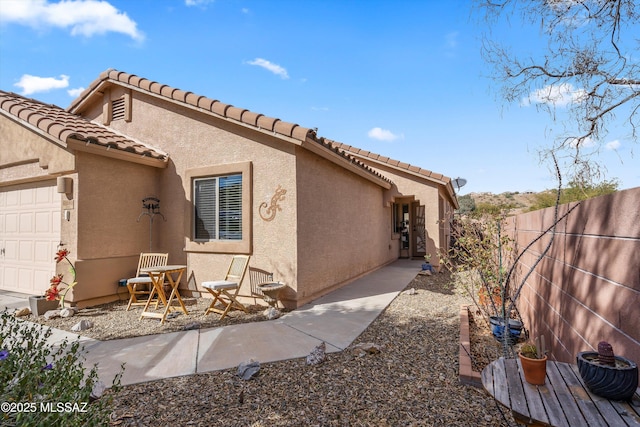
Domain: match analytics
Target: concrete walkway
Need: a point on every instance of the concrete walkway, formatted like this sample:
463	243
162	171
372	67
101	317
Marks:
337	319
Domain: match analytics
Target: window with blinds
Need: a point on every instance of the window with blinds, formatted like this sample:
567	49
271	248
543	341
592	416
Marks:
218	208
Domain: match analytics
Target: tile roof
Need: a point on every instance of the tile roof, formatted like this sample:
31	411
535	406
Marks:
395	163
444	180
62	125
211	106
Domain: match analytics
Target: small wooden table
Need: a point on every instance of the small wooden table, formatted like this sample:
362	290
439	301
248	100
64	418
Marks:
563	400
157	275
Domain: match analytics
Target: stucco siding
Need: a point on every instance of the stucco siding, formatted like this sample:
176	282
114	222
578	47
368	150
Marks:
102	233
195	140
25	156
424	192
344	227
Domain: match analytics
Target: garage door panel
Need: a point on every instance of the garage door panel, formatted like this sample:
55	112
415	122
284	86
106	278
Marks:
11	223
43	222
43	196
25	253
30	219
43	251
10	276
25	279
26	197
26	223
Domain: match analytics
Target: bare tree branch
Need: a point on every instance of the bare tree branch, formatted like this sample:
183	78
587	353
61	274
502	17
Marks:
590	68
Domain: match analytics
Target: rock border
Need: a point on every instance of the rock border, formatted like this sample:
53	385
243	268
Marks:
467	375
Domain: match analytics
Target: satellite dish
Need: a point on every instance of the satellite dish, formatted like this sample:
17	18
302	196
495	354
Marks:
458	183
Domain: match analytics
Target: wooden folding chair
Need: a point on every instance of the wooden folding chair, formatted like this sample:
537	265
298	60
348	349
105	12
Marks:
259	277
141	285
226	291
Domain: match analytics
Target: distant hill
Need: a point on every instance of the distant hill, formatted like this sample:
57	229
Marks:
521	201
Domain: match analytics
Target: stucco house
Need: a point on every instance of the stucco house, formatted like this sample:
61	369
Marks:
315	212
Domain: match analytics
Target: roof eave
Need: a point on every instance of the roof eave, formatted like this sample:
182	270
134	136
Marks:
89	147
344	162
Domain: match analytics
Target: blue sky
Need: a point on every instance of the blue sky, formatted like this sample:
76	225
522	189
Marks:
404	79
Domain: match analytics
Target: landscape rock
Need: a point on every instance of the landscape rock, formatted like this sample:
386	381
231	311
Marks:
51	314
411	291
272	313
68	312
192	326
97	391
318	355
22	312
248	370
82	325
365	348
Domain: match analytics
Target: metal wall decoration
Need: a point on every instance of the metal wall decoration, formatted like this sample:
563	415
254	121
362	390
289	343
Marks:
271	209
151	208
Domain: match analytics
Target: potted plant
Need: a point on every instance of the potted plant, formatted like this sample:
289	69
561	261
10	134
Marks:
39	304
426	266
607	375
56	291
533	358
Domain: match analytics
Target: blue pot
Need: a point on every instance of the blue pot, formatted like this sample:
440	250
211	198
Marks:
498	329
427	266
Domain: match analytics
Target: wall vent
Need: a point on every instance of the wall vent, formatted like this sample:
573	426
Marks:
118	109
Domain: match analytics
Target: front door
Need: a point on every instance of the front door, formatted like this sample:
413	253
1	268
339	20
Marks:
419	238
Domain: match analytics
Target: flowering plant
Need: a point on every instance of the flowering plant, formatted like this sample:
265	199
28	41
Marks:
54	292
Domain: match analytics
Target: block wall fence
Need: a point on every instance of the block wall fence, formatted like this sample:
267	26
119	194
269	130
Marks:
587	287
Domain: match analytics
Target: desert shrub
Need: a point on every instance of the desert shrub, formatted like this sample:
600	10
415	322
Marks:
574	192
43	385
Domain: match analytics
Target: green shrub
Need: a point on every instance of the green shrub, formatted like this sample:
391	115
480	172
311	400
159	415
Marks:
42	385
574	192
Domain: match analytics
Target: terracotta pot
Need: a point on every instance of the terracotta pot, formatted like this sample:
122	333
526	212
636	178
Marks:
535	370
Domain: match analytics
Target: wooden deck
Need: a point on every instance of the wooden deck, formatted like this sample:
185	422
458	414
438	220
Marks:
563	401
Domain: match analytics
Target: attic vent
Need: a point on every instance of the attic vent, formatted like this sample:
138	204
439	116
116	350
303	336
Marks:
118	109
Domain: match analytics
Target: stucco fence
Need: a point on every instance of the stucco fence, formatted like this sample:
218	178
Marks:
587	287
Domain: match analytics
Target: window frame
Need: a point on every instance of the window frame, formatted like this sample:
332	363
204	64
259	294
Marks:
242	246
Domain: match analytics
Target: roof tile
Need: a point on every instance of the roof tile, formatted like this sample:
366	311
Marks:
220	108
235	113
206	103
266	122
180	95
62	125
192	99
284	128
250	118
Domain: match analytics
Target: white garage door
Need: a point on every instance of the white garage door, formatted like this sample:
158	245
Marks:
29	236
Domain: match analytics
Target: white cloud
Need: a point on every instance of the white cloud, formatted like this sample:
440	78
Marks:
383	134
584	143
197	2
82	17
557	95
75	92
613	145
33	84
451	40
267	65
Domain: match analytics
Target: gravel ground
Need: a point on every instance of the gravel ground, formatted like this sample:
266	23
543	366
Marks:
113	321
412	381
